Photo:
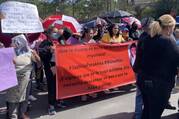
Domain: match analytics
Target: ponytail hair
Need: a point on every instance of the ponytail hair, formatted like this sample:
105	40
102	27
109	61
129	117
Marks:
155	28
164	21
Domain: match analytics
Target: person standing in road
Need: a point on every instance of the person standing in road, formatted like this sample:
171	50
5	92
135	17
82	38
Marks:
145	35
156	64
17	97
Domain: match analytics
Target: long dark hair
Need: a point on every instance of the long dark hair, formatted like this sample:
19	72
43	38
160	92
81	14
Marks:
110	29
86	30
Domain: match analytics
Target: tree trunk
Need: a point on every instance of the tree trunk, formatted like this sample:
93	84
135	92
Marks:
133	2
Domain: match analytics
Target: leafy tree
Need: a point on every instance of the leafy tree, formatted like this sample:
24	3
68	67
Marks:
164	7
88	9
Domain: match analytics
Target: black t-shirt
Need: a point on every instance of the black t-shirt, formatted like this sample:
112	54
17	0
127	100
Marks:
159	58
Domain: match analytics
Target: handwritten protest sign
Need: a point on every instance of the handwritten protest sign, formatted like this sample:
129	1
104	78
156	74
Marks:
84	69
20	18
8	76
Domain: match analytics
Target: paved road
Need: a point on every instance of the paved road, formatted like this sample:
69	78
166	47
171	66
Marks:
116	105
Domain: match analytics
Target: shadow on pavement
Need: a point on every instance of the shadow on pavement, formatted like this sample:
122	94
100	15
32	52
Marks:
173	116
2	105
76	101
40	106
124	115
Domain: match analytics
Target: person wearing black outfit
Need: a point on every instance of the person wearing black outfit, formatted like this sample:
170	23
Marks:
156	63
64	33
46	56
134	34
138	100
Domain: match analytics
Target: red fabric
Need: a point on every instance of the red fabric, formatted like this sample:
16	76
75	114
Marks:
51	19
130	20
85	69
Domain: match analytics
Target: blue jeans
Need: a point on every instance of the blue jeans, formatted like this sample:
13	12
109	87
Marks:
138	104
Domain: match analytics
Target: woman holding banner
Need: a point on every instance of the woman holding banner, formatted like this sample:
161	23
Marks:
46	52
113	35
87	38
156	65
17	97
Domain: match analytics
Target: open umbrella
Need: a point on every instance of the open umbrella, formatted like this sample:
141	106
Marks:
130	20
95	22
117	14
60	21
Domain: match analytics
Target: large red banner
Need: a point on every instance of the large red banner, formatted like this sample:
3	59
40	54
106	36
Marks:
84	69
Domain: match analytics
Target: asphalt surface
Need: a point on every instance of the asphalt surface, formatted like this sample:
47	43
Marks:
115	105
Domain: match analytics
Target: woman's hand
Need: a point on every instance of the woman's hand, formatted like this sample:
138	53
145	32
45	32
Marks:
35	56
52	49
53	69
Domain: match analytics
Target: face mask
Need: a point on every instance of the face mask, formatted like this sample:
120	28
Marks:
55	35
134	27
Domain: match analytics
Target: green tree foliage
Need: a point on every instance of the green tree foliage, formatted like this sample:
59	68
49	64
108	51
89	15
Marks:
165	6
148	11
88	9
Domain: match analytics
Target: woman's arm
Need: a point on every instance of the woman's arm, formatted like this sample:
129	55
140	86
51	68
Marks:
35	56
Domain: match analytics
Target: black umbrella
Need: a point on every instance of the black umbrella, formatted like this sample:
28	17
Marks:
117	14
93	23
89	24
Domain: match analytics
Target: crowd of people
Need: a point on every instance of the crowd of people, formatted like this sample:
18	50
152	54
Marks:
36	60
155	63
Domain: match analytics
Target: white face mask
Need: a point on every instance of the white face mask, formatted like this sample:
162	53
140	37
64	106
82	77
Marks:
55	35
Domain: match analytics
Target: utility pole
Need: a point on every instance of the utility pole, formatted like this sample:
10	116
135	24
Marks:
133	2
73	5
107	3
110	5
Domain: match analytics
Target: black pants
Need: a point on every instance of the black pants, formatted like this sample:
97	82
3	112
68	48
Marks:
155	97
39	75
51	85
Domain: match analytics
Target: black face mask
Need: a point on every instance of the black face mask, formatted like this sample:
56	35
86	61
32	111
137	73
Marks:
134	27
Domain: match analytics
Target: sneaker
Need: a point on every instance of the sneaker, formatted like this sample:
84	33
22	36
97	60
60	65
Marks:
169	106
107	91
84	98
61	104
51	110
93	95
13	116
32	98
40	88
29	103
116	89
